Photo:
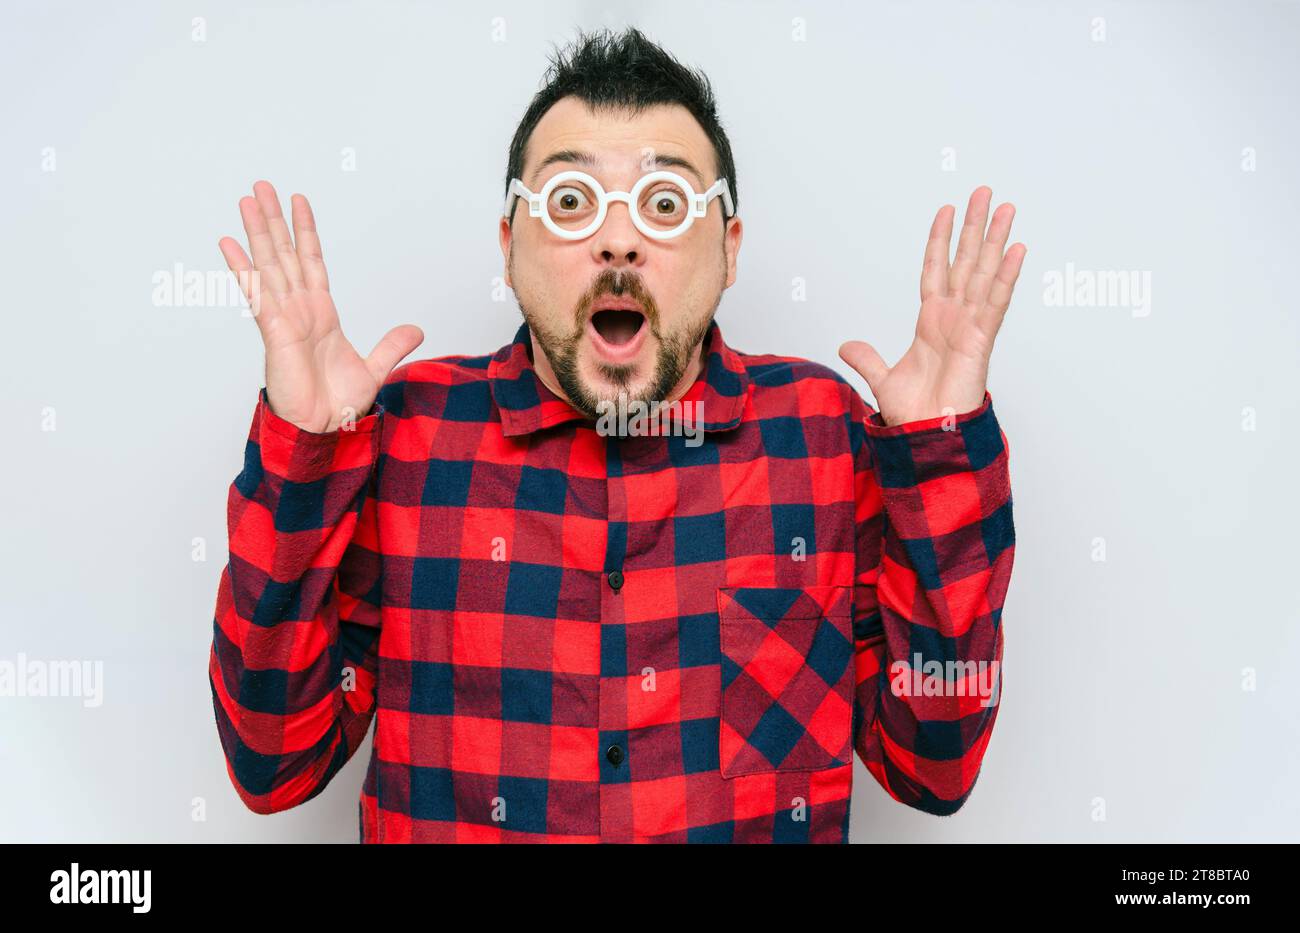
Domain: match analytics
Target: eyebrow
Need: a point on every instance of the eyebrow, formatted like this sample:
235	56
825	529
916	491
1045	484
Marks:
587	160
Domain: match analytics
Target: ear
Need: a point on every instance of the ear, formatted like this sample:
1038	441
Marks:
506	236
731	244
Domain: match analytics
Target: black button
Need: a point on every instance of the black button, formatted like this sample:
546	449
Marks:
615	755
616	579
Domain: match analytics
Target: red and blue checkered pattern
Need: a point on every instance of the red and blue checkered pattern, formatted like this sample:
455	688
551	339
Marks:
561	636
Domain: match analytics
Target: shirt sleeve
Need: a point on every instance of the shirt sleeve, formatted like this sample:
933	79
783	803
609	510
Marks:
295	632
935	546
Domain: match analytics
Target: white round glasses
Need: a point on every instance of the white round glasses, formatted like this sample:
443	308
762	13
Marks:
573	205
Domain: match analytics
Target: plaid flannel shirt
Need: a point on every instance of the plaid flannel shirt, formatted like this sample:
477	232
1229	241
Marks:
562	635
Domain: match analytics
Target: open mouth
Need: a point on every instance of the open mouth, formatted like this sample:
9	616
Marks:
617	326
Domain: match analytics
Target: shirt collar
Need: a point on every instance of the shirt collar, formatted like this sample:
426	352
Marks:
527	404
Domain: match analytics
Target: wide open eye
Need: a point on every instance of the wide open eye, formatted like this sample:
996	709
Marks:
664	205
572	205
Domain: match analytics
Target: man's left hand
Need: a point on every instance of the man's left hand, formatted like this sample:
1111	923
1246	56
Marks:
945	370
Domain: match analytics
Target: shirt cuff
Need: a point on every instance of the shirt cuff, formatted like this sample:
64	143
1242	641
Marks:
291	431
301	455
919	453
876	427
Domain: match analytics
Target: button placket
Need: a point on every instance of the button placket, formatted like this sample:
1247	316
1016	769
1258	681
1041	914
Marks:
612	715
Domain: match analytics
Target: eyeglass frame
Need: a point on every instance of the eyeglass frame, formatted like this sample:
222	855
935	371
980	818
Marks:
698	204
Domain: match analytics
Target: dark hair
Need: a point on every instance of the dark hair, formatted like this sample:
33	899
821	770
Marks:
625	70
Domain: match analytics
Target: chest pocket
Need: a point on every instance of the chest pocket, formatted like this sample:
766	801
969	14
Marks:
787	678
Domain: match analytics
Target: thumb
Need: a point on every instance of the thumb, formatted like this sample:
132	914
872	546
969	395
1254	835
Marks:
394	345
863	357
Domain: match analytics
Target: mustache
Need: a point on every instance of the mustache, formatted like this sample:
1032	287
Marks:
619	283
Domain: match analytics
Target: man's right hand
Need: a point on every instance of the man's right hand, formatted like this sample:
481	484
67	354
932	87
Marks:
314	377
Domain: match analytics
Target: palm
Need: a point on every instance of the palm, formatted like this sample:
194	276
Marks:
314	377
946	368
306	349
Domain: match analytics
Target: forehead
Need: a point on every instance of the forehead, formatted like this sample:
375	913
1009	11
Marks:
619	139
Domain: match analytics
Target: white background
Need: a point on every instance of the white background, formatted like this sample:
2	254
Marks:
1123	677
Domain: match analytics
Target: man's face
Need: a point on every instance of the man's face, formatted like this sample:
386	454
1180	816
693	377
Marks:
567	289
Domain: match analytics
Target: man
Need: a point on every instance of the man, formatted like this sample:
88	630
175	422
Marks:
568	626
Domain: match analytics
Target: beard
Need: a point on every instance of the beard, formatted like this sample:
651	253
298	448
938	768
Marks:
671	361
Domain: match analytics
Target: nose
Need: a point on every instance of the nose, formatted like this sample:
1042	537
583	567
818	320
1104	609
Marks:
618	242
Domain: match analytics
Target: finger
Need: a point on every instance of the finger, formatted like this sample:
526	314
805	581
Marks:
394	345
934	270
304	234
989	317
259	242
968	244
269	201
236	259
863	357
249	279
977	289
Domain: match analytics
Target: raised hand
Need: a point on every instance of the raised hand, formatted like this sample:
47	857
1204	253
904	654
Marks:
946	368
315	379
